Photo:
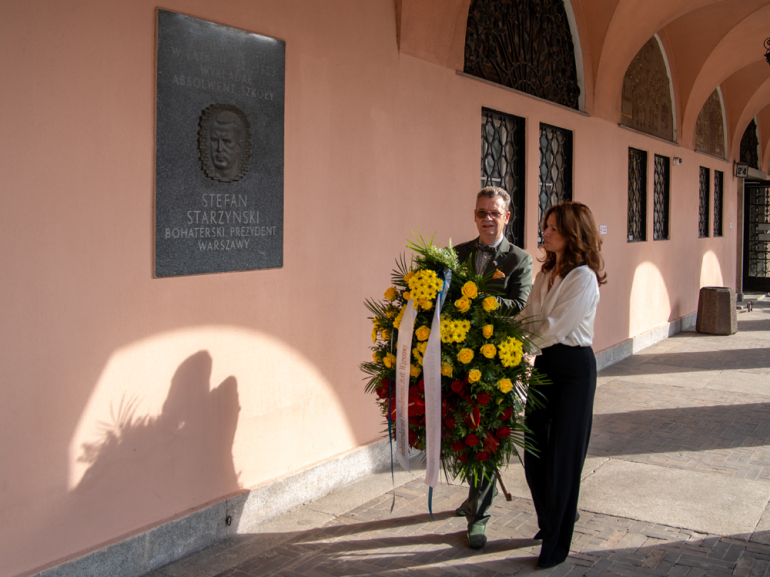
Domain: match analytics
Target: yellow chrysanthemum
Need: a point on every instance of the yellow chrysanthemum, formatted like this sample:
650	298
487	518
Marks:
406	295
465	356
374	335
377	358
489	304
474	376
426	304
487	350
417	355
389	360
424	285
408	276
385	335
414	371
391	294
447	369
421	347
505	386
463	304
453	331
397	320
510	351
390	314
487	331
422	333
470	290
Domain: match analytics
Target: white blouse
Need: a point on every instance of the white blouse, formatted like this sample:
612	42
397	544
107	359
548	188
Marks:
566	313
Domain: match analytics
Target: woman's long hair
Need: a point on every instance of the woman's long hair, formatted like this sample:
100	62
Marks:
576	224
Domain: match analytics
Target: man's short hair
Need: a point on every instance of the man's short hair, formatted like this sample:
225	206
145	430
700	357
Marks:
494	192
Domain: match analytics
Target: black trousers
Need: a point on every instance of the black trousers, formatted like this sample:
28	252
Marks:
560	432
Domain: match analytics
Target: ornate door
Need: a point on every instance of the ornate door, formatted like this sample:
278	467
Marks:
756	239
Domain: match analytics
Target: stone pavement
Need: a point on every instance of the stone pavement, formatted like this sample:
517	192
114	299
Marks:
677	483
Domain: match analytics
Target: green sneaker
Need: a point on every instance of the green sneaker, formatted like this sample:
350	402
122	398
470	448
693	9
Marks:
476	537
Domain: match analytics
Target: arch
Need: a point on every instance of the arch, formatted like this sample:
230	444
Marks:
740	47
708	126
632	25
759	100
525	45
648	94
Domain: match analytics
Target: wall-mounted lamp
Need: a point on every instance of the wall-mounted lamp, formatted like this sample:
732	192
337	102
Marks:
677	160
767	50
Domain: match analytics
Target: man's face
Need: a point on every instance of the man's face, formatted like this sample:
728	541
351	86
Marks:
224	146
491	216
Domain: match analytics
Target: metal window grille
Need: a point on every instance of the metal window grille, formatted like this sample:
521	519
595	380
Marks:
555	181
502	164
637	195
750	145
703	205
660	200
718	187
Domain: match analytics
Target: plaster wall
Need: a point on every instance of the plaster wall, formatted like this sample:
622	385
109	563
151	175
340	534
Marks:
129	400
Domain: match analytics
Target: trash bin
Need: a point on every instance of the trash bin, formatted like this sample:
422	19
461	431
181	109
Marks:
716	311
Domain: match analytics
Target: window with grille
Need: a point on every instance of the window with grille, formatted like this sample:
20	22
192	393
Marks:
703	204
502	164
660	202
637	195
555	181
718	180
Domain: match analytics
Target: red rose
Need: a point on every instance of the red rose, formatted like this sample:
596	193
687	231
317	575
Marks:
457	386
450	422
462	458
386	382
482	399
382	392
421	384
471	440
458	446
413	439
503	432
482	456
507	414
491	444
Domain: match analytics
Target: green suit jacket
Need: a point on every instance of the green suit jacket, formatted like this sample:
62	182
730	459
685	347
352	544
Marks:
514	263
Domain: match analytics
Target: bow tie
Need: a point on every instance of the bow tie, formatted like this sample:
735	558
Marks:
485	248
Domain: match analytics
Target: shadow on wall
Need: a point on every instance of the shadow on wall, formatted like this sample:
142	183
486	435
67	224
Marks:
178	458
192	438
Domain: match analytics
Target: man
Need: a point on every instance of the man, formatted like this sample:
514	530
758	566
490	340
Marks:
225	140
491	250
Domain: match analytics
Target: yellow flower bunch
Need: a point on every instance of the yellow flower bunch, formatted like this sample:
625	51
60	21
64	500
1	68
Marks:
453	331
474	376
510	351
385	335
489	351
422	333
377	358
418	352
389	360
425	304
489	304
397	320
470	290
465	356
391	294
414	370
447	369
505	386
463	304
408	276
487	331
424	285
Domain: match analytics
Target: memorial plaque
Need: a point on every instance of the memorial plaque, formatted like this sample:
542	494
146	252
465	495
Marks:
219	148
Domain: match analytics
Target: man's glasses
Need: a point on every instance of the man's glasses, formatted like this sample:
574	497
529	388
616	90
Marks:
482	214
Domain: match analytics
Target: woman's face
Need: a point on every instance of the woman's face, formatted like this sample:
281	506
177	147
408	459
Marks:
554	241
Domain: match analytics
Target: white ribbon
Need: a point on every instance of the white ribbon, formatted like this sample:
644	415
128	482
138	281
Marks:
403	366
431	366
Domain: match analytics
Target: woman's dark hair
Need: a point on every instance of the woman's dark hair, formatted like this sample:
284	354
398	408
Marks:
576	224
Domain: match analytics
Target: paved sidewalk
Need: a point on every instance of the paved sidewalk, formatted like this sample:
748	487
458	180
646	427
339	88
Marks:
677	483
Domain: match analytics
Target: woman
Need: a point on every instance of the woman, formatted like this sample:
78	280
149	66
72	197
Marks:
562	306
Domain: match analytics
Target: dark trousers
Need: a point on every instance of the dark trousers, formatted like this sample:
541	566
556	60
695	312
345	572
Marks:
560	432
480	496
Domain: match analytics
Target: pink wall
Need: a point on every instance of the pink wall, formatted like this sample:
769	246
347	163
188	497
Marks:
129	400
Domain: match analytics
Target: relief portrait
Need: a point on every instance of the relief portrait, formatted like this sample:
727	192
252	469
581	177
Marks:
224	142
